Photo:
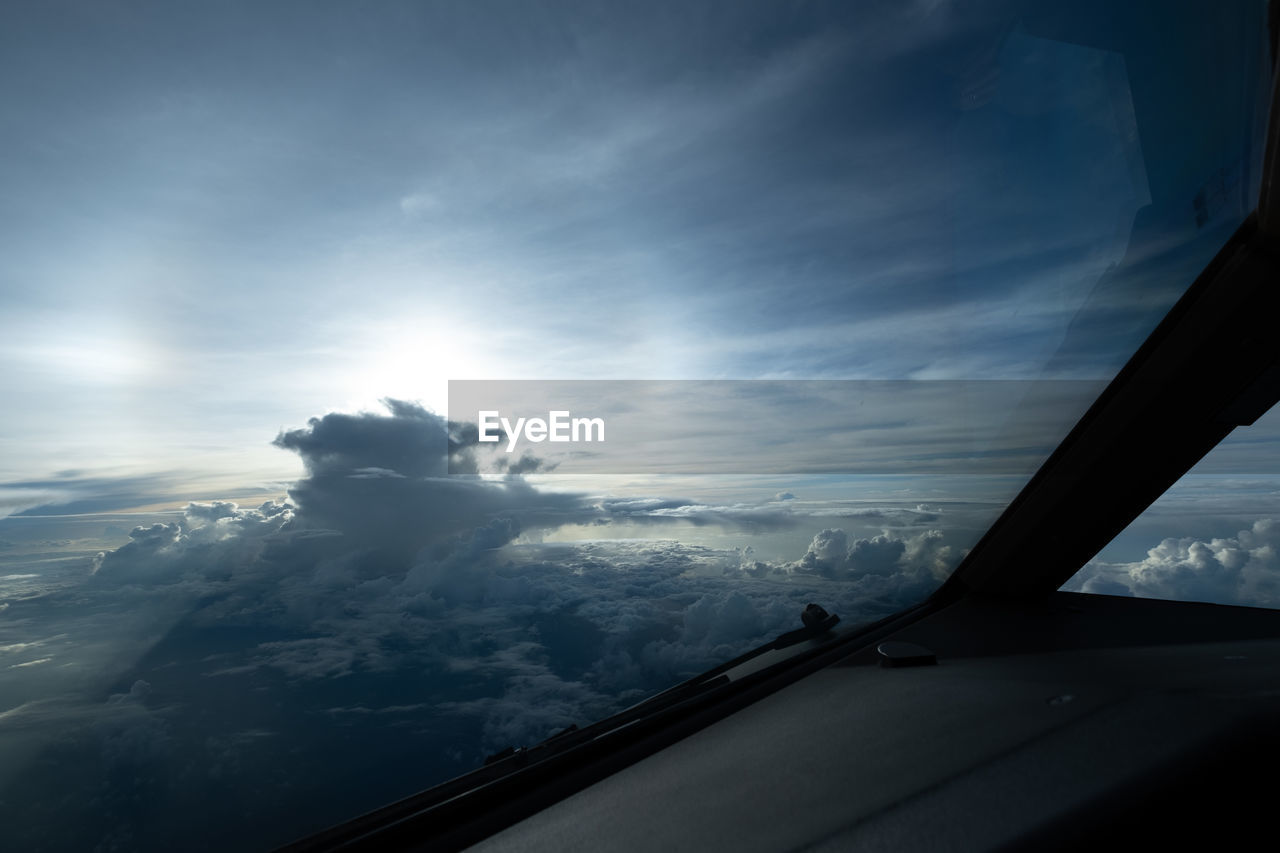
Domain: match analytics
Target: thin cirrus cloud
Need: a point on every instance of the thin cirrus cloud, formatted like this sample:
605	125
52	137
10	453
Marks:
536	195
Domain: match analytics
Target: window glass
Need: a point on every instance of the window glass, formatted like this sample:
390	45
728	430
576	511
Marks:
835	277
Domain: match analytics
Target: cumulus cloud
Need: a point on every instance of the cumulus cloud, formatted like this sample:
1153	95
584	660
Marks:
211	540
886	568
386	592
831	554
1243	569
383	482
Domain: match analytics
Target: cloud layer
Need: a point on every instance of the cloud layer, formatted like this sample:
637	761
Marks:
396	624
389	611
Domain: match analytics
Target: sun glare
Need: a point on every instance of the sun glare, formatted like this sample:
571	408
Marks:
413	360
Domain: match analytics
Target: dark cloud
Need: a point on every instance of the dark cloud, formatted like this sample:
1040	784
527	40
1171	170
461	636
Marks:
880	555
383	482
527	464
412	442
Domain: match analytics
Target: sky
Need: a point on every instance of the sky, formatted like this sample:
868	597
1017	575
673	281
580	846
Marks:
220	222
246	247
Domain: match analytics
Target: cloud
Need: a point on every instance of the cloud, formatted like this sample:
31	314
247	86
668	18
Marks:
1243	570
211	541
383	483
412	442
19	499
761	517
414	611
832	555
378	555
74	492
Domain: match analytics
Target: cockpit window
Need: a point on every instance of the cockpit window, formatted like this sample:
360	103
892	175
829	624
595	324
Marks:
1213	537
834	278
